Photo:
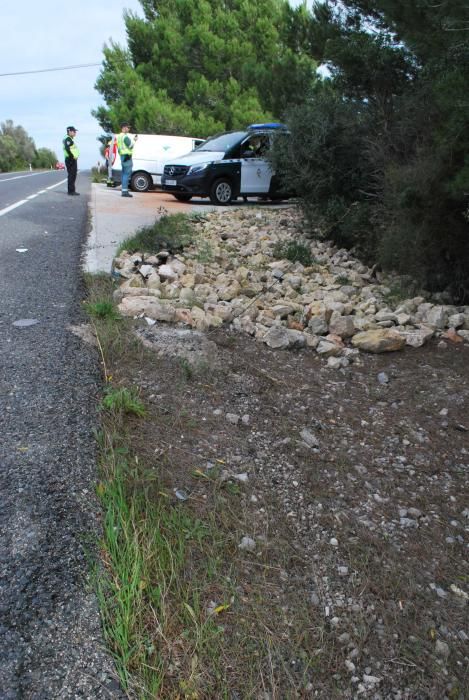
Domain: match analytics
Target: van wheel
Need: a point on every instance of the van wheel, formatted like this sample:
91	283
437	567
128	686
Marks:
141	182
182	197
221	192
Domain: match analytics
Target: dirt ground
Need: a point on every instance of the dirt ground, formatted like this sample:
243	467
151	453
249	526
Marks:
351	487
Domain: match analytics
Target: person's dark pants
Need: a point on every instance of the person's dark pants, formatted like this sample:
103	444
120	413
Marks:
71	165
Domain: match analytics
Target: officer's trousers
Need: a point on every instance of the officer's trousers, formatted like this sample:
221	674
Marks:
72	167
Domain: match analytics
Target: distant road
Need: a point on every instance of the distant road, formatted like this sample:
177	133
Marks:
23	186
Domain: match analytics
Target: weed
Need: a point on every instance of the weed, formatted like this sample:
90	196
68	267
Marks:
171	233
186	367
98	174
342	280
295	252
123	400
204	251
102	309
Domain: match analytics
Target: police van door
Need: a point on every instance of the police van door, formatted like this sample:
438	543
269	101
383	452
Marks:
256	173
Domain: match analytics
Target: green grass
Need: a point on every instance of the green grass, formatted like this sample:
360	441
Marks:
166	563
98	175
122	400
157	558
293	251
171	233
102	309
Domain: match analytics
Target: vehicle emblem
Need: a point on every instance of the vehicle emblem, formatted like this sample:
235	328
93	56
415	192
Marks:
171	171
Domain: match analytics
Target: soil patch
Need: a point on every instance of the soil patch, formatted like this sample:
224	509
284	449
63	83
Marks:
348	487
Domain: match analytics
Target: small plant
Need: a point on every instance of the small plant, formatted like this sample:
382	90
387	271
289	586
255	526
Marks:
98	174
204	251
102	309
399	291
124	400
186	367
170	233
342	279
295	252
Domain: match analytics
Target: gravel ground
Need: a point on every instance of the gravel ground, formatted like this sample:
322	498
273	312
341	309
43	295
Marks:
361	475
51	645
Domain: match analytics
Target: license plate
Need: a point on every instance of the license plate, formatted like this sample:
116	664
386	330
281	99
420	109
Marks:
170	182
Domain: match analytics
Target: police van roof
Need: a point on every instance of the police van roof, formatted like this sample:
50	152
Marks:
268	125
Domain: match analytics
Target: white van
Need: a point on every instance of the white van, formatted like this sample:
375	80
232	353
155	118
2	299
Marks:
151	152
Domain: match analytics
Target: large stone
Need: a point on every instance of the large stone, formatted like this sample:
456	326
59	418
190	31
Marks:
456	320
187	296
282	338
379	341
436	316
419	336
153	280
282	310
386	315
318	325
342	326
137	281
151	307
328	348
166	272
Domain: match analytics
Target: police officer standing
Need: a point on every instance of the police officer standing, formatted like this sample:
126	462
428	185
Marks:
125	146
71	154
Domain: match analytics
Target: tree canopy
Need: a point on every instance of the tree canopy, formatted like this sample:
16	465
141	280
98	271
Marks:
18	151
385	141
201	66
379	149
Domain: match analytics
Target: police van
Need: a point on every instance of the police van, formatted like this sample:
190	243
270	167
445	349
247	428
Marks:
151	152
227	166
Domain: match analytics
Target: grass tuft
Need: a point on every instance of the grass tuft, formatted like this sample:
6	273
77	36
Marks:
293	251
102	309
172	233
123	400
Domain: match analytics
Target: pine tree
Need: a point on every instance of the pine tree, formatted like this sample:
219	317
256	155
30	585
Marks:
198	67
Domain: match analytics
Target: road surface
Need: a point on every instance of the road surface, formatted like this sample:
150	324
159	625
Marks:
50	639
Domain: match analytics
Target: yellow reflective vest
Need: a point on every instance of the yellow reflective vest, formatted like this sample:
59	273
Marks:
121	146
72	147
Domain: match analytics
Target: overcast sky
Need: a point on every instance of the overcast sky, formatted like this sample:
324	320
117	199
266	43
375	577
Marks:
51	34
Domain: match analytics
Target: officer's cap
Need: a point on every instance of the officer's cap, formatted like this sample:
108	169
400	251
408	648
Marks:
71	128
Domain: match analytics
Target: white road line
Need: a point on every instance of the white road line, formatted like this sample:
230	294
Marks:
25	201
12	206
56	184
18	177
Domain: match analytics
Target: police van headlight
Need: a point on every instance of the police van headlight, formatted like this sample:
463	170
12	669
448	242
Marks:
197	168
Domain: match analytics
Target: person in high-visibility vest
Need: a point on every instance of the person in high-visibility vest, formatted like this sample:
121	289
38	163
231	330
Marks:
125	146
71	154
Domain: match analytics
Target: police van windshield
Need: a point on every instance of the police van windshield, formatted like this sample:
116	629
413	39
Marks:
222	143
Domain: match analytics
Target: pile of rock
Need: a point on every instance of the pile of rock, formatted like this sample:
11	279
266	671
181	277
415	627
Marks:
232	274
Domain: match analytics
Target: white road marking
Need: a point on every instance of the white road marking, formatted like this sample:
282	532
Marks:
18	177
25	201
12	206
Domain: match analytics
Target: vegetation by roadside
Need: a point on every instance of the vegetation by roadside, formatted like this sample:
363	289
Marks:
240	562
18	150
183	615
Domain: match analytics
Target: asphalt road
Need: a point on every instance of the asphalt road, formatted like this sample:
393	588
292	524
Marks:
50	639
